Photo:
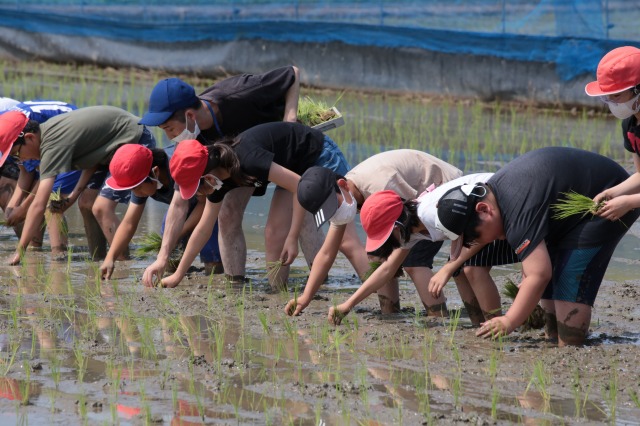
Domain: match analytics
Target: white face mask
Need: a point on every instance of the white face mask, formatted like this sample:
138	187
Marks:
186	134
346	212
624	109
156	180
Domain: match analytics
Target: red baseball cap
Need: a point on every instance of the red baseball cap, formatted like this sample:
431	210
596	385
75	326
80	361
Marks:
187	166
11	125
129	166
378	215
618	70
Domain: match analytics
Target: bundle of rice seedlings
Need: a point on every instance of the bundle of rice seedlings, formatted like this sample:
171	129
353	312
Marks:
273	269
573	204
312	112
151	243
535	320
56	198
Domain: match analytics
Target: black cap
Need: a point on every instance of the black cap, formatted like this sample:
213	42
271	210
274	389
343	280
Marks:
317	193
455	208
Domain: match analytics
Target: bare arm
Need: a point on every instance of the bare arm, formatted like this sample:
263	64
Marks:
176	216
34	217
124	234
440	278
629	186
198	239
536	272
319	269
291	98
194	217
377	280
288	180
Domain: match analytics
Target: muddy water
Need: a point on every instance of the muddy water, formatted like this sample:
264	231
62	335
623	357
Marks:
76	350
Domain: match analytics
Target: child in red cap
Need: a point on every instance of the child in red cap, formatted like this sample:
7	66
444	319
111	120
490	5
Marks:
618	85
274	152
394	226
145	172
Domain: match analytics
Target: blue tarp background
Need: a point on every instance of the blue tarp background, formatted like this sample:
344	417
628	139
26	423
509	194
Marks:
572	34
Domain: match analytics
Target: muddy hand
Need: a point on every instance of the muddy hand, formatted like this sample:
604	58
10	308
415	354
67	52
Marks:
170	282
336	315
294	307
15	260
437	283
495	327
59	206
106	269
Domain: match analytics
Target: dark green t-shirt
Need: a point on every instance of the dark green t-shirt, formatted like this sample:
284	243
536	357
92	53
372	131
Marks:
85	138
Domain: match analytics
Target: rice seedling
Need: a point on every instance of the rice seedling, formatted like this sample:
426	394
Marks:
541	379
264	322
273	274
611	393
536	319
574	204
313	112
634	398
151	242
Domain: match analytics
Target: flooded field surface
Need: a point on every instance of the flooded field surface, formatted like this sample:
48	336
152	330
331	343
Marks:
75	349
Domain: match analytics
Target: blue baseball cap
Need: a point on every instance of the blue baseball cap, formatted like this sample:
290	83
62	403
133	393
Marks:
169	96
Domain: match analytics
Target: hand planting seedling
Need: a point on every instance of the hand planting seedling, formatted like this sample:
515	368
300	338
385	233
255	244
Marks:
151	243
574	204
536	319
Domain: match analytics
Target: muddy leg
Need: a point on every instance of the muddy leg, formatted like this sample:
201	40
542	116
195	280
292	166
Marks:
573	322
388	306
485	290
275	234
233	247
95	238
311	239
353	249
469	299
420	275
550	319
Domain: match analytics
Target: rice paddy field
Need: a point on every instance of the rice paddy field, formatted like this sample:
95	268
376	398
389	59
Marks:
78	350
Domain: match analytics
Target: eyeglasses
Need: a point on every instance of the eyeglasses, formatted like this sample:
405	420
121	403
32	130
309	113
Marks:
215	187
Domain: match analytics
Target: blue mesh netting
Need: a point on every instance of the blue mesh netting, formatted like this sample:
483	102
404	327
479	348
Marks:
573	34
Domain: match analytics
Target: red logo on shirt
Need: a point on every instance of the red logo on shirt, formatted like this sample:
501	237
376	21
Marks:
523	246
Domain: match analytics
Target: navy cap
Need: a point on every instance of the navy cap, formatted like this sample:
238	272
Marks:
317	193
169	96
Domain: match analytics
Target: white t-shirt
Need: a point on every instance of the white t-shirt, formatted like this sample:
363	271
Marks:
427	202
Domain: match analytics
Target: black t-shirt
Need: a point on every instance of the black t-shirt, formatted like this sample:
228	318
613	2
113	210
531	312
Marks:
293	146
631	134
248	100
526	187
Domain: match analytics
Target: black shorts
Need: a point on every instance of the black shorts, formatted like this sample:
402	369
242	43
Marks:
498	252
10	170
422	254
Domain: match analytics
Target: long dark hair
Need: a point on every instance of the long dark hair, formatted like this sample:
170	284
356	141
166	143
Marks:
408	220
222	154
